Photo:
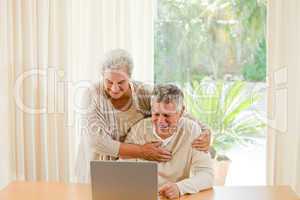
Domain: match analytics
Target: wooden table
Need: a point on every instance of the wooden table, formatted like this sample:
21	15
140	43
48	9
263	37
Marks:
60	191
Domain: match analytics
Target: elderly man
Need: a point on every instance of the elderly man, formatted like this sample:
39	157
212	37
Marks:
190	171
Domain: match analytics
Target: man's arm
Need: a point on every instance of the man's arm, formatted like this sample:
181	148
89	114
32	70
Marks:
201	174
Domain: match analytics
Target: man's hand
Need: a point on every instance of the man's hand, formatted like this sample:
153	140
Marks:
170	191
153	152
202	143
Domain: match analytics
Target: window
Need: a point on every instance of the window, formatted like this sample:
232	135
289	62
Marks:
216	51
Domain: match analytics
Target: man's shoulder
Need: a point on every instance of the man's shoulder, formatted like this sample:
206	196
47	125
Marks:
190	127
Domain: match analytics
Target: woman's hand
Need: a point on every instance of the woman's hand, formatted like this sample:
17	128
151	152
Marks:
202	143
153	152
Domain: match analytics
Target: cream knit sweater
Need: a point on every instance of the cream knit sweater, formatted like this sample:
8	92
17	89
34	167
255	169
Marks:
190	169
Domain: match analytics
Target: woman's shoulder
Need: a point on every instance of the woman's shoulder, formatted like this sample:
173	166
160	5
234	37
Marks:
143	94
92	91
141	87
94	88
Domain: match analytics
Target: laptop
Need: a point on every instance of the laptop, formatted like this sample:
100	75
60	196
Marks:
113	180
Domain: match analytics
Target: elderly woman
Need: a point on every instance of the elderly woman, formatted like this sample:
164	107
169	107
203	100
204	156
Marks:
113	106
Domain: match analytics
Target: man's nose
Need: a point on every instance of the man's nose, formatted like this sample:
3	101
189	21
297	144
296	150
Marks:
161	119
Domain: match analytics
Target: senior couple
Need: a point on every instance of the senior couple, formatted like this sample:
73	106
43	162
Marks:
126	119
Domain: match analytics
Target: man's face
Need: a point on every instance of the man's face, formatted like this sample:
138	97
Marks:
165	117
116	83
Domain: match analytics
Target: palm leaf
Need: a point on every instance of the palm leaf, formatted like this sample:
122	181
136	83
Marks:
246	104
219	107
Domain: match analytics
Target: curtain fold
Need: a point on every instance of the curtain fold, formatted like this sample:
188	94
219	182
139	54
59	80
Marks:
50	50
284	96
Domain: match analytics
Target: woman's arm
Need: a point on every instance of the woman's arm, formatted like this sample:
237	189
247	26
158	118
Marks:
149	151
136	147
101	142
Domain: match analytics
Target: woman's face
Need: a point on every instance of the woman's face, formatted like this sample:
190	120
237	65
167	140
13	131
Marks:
116	82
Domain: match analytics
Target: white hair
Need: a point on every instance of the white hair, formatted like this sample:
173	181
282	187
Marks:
117	59
167	93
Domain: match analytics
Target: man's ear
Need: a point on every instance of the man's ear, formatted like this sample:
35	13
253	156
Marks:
182	111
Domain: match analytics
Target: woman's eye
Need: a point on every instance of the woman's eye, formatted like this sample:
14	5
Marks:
109	82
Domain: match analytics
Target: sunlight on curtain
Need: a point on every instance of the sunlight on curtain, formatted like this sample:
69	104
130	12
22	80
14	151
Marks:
50	51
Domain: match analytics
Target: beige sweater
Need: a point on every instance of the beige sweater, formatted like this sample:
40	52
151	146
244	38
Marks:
101	133
190	169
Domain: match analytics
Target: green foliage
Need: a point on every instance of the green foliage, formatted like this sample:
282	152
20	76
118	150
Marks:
206	37
256	70
223	108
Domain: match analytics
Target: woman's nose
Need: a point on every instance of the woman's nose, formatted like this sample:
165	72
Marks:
115	88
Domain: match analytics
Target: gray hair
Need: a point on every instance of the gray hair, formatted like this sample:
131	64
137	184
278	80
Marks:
117	59
167	93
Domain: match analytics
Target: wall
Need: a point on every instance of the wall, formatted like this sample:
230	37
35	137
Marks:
284	93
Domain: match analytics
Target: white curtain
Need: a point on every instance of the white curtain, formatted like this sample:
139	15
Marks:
284	94
49	51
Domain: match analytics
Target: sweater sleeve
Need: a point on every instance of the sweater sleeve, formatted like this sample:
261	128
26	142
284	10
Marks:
201	175
95	137
95	126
